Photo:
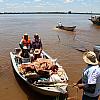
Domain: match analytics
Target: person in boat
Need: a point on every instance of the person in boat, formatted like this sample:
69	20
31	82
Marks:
25	42
23	54
32	57
90	81
57	74
37	54
54	77
60	25
36	42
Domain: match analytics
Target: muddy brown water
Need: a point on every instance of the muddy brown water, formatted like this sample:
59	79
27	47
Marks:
57	43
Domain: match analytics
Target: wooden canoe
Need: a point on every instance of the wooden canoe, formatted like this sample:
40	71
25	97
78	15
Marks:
42	87
70	28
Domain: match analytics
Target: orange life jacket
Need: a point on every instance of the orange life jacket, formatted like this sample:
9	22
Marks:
26	43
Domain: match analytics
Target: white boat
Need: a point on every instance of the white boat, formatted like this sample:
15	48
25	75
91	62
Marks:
95	20
67	28
44	87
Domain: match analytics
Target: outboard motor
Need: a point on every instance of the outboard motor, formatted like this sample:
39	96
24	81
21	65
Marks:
96	49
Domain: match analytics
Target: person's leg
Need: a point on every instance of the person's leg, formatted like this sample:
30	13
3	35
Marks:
85	97
96	98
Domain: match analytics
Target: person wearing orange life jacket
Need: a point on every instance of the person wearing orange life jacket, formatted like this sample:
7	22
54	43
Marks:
25	42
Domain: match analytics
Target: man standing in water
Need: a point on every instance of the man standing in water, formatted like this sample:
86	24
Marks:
90	81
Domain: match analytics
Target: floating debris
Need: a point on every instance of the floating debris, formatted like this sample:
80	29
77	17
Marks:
58	38
81	49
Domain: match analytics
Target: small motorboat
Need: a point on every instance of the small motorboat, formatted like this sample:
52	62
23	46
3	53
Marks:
95	20
42	85
70	28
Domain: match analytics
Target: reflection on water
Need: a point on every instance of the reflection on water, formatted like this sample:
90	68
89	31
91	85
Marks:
12	27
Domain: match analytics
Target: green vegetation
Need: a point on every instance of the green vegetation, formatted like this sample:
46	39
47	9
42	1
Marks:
69	12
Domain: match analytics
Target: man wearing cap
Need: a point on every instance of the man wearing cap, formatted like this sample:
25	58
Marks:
25	42
90	81
36	42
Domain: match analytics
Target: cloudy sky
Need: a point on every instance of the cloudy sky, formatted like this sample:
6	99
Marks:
49	5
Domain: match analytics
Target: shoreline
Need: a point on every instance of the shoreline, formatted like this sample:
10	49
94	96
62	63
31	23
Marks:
48	13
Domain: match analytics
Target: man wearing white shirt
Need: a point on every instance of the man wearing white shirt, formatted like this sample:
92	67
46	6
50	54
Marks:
90	81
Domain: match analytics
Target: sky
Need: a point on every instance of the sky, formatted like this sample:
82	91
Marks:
50	5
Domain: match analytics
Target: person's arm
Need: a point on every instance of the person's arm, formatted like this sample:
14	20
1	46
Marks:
40	43
79	82
88	87
21	44
32	44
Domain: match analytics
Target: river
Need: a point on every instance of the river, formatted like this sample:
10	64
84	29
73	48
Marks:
12	28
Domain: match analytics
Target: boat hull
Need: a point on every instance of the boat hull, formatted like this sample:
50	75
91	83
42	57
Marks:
66	28
95	20
45	90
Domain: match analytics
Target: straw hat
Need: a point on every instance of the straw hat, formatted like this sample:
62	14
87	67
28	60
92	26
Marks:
37	51
90	58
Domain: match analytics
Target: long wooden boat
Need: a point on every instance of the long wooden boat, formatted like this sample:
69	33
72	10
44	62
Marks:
70	28
45	87
95	20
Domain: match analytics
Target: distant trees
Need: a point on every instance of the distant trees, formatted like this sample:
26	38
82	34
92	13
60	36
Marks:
69	12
